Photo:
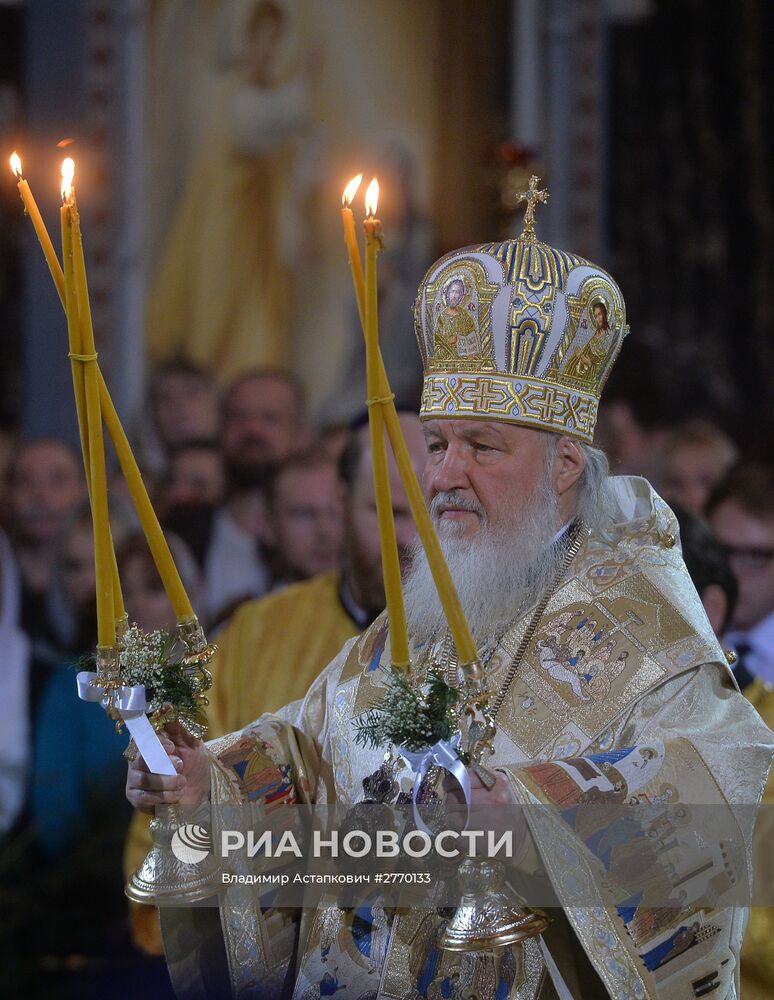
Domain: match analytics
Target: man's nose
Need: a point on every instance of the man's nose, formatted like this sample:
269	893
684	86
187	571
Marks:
451	473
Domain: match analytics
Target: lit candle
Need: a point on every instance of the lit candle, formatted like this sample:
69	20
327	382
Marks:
32	210
393	592
150	524
353	250
447	592
79	319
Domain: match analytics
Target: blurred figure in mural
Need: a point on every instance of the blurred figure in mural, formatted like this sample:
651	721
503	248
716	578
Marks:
231	306
695	456
407	252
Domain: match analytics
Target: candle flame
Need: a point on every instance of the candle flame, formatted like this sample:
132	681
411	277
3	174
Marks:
351	190
68	172
16	164
372	198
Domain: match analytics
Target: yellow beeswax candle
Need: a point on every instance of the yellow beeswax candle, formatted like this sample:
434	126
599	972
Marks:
78	317
393	592
31	208
79	392
353	250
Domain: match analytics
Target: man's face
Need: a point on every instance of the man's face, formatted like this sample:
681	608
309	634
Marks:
498	494
750	543
308	521
600	317
362	538
196	476
46	486
689	474
185	409
478	472
623	439
261	425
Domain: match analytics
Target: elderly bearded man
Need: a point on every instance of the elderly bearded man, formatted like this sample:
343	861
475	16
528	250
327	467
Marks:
607	680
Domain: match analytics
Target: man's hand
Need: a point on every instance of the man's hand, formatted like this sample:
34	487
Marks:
189	787
494	808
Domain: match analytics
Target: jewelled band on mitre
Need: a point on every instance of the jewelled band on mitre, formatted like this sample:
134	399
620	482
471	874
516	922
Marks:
519	399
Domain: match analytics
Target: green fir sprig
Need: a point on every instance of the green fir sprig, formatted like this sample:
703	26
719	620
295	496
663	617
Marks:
410	717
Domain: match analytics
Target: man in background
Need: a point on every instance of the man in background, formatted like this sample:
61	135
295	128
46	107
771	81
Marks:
46	486
742	513
695	457
195	475
305	506
263	423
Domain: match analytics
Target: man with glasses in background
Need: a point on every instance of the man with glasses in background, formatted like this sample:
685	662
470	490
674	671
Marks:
742	513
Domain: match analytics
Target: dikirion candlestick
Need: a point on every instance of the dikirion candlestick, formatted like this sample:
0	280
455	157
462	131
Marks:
157	543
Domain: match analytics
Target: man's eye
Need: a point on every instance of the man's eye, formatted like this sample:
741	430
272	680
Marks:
434	447
478	446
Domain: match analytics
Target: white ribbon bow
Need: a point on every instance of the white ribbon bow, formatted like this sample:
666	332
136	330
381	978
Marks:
444	754
132	706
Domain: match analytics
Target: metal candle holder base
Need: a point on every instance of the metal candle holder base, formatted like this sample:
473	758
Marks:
163	877
485	918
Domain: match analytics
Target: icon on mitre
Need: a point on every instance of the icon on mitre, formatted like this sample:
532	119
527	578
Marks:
456	333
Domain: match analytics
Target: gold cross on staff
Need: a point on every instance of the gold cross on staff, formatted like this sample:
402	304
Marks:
532	197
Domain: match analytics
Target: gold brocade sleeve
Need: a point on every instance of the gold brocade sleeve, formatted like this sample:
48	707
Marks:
277	760
259	667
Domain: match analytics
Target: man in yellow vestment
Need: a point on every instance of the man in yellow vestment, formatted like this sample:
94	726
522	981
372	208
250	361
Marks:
607	683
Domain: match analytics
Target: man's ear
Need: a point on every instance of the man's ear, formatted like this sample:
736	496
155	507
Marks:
569	463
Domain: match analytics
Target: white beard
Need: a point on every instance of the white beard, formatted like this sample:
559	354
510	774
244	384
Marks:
499	574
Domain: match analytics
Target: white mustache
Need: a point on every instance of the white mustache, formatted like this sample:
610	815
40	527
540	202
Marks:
450	498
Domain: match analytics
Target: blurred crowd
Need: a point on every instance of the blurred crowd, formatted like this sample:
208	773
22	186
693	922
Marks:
255	500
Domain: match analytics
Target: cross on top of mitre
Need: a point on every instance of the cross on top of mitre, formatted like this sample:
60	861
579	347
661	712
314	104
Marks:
533	196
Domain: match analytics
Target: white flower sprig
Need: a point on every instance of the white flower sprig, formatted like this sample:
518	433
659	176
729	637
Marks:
143	660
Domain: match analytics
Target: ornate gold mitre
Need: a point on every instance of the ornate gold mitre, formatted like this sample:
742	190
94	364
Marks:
518	331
